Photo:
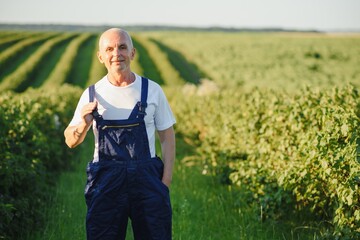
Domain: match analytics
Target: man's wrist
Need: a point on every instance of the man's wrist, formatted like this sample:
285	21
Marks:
166	181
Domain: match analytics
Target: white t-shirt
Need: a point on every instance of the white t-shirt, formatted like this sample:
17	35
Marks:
116	103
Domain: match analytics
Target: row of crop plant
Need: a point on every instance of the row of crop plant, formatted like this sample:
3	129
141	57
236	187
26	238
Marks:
297	155
20	79
16	49
32	153
10	38
287	61
62	69
152	60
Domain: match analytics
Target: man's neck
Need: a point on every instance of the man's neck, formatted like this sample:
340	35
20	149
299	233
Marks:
121	79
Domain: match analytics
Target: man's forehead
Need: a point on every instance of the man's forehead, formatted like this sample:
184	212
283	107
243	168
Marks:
119	40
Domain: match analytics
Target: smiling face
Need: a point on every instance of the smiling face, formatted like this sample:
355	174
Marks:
116	50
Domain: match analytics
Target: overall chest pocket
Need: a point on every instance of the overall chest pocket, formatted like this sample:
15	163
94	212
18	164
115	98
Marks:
123	142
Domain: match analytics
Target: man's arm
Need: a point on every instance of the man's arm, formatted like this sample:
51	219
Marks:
75	135
167	140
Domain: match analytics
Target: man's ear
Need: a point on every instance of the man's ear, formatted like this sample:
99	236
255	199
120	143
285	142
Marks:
133	52
99	57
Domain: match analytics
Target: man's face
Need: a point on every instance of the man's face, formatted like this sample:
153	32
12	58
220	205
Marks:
115	51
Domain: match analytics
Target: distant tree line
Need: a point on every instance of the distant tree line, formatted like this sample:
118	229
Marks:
99	28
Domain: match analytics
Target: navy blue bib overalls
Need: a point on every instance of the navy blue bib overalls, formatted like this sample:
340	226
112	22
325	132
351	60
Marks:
126	181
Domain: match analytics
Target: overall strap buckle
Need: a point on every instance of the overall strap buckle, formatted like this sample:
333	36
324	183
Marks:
142	106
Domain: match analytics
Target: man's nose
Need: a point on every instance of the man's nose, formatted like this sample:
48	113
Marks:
116	52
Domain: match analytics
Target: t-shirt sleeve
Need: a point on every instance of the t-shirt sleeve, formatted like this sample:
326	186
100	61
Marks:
84	99
164	117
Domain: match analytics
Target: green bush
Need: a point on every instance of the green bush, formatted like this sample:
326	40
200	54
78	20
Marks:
297	154
32	152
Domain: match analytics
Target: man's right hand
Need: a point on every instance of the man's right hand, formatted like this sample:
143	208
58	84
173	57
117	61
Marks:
74	135
86	112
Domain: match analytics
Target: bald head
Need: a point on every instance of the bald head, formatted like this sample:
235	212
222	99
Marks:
115	32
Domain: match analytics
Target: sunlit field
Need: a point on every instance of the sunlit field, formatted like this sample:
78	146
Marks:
267	132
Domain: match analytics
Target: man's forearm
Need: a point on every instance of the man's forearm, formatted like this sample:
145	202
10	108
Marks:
75	135
167	139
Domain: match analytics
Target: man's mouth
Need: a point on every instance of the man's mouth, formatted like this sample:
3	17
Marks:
117	60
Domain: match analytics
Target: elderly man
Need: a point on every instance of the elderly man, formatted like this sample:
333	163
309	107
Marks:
125	178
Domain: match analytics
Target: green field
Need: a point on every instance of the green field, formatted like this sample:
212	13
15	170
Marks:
267	132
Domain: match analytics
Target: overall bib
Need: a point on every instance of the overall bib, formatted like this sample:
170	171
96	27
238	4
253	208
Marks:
126	181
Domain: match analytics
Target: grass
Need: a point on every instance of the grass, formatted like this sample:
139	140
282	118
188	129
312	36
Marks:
202	208
66	213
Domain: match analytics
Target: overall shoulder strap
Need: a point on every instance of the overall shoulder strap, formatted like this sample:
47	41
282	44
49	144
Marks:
144	89
91	93
95	113
144	93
